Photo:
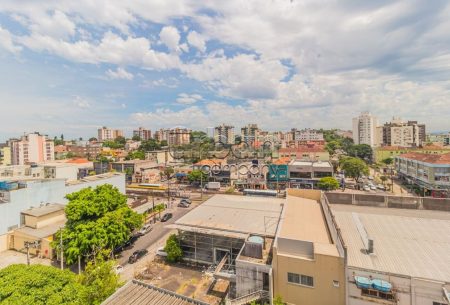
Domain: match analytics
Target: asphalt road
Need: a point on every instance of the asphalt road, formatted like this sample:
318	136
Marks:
158	231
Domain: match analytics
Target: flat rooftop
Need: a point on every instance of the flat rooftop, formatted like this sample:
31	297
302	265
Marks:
44	210
413	243
235	214
94	178
303	221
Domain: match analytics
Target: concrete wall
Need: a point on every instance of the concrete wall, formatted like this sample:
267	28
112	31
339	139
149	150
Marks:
249	277
18	243
305	193
324	269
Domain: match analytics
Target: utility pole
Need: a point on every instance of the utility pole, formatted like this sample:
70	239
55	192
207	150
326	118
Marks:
31	244
153	208
61	247
79	264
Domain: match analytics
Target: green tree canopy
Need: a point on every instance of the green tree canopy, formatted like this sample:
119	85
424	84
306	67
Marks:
332	146
137	154
197	175
328	184
100	281
354	167
362	151
39	285
387	161
96	219
173	249
136	138
150	145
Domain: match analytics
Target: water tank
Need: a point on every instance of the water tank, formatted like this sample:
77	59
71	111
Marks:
363	282
381	285
256	239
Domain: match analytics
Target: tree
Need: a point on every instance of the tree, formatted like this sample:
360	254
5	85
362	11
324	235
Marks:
96	219
93	139
328	184
383	179
197	175
138	154
100	281
278	300
387	161
159	208
354	167
332	146
70	155
362	151
163	143
136	138
150	145
167	172
173	249
39	285
198	136
120	140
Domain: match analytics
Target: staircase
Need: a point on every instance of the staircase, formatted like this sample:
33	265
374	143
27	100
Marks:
246	299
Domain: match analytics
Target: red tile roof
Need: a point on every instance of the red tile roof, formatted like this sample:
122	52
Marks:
78	161
305	148
428	158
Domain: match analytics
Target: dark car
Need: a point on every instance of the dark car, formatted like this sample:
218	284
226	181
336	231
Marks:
137	255
126	245
166	217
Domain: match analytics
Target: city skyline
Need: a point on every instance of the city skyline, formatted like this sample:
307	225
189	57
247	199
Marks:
72	69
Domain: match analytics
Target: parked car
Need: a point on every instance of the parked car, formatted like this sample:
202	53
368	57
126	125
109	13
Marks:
186	200
166	217
144	230
366	188
373	187
183	204
137	255
126	245
381	187
118	269
161	252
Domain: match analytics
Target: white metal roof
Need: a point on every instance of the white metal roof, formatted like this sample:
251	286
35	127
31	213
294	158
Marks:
239	214
411	243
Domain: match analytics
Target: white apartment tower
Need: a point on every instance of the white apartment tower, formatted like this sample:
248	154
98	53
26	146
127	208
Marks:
31	148
224	134
107	134
364	129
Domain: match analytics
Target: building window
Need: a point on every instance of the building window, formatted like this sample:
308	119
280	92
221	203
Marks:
438	303
336	284
301	279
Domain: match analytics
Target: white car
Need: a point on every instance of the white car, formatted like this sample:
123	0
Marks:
373	187
366	188
118	269
145	229
160	252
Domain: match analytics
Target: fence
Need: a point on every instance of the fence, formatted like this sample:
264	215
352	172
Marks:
388	201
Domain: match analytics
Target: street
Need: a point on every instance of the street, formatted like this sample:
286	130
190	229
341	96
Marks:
153	240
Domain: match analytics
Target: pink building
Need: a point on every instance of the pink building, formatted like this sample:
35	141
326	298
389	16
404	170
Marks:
31	148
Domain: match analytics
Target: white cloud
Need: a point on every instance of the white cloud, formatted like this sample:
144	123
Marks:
6	42
56	25
187	99
120	73
170	36
81	102
196	40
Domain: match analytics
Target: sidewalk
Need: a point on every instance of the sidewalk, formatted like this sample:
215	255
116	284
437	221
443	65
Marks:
10	257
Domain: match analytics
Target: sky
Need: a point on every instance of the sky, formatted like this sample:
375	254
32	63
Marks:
70	67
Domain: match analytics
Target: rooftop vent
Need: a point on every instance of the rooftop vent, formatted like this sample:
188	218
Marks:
367	241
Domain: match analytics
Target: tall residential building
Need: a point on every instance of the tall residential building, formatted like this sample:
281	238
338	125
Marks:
400	133
179	136
308	135
31	148
143	134
5	155
364	129
107	134
250	133
224	134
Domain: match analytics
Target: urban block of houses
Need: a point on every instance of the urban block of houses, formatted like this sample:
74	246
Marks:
382	153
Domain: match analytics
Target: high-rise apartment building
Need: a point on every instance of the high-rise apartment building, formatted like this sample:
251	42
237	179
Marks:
178	136
400	133
224	134
108	134
364	129
249	133
31	148
143	134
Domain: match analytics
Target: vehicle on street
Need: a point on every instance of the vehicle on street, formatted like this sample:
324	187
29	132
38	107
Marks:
373	187
166	217
118	269
183	204
126	245
366	188
137	255
213	185
161	252
381	187
144	230
186	200
370	178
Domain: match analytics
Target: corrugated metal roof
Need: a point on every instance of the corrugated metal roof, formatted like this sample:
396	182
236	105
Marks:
135	292
241	214
404	243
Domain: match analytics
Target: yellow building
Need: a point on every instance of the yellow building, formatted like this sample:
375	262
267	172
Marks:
385	152
308	262
5	154
39	224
